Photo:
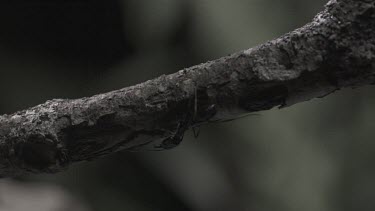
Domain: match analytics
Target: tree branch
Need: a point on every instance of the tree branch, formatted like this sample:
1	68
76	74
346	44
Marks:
335	50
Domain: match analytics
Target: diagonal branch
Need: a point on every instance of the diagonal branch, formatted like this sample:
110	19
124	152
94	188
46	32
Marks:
334	51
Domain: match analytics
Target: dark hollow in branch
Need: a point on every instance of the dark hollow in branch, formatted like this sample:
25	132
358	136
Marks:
335	50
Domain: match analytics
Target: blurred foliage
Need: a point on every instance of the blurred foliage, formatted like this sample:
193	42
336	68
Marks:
316	155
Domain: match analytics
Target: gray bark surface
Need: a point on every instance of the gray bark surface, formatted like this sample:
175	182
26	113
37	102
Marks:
334	51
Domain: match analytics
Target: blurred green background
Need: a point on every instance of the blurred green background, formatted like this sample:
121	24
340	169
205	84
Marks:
316	155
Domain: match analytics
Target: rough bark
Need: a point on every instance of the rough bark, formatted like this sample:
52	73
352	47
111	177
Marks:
335	50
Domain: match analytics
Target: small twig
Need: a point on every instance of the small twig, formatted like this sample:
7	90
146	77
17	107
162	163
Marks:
334	51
